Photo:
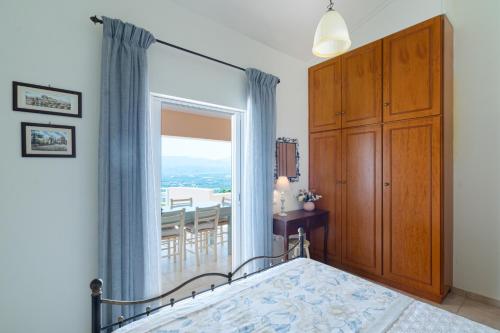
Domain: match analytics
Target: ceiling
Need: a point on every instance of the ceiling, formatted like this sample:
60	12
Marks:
287	26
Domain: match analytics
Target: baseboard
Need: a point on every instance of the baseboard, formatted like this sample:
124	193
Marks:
476	297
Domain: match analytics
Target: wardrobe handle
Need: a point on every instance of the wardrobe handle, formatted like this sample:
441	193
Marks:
338	113
386	104
387	184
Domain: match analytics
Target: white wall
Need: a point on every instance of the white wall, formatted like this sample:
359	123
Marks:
48	207
477	145
476	128
395	16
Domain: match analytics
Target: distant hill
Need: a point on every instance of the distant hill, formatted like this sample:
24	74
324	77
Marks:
177	171
187	166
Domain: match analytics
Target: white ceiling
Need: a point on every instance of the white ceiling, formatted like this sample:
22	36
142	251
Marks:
285	25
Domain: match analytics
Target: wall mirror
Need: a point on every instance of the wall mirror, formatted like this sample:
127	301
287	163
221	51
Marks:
287	159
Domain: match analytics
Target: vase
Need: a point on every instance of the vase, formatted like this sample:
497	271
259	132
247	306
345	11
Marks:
309	206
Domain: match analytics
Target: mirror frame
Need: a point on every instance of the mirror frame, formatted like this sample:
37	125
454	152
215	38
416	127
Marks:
297	157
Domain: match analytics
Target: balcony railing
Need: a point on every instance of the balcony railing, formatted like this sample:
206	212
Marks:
199	195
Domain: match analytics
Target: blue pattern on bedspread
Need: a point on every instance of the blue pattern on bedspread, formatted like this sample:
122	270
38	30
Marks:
300	296
303	296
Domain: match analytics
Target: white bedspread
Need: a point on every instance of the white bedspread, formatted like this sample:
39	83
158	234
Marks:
303	296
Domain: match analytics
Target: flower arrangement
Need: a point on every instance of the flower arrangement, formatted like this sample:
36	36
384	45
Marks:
308	196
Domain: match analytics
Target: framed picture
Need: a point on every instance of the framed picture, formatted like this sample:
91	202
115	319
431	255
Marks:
39	99
42	140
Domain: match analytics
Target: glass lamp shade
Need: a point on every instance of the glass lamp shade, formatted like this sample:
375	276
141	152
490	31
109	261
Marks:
282	184
332	37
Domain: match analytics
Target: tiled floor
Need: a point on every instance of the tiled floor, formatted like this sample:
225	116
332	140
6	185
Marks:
480	312
485	314
172	276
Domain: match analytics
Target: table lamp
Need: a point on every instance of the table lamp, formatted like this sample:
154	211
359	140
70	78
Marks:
282	185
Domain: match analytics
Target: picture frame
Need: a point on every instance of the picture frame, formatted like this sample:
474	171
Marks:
47	140
47	100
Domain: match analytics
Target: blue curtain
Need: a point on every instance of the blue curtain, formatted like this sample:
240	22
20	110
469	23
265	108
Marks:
129	259
258	177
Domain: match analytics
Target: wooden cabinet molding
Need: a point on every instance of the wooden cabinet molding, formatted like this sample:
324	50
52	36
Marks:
362	86
412	71
412	203
362	198
325	90
324	177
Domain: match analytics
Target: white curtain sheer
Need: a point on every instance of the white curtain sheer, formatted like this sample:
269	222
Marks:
253	235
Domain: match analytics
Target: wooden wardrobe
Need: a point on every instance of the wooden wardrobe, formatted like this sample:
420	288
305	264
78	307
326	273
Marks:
380	153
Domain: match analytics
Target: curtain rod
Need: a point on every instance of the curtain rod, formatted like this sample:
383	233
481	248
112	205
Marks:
97	20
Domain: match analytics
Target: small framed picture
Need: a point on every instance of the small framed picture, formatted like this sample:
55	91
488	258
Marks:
39	99
42	140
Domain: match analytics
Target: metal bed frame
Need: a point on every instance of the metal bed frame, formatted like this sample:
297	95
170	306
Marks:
97	284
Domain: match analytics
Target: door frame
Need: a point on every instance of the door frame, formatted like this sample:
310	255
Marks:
237	128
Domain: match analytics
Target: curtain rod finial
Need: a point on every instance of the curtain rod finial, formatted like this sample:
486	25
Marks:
95	19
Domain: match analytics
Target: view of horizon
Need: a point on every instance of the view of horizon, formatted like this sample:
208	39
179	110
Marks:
190	162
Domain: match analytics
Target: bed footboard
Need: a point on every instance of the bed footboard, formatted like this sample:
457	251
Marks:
97	284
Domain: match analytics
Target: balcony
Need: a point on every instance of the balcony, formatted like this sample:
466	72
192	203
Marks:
173	271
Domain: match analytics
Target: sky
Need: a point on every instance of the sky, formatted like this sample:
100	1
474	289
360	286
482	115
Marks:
198	148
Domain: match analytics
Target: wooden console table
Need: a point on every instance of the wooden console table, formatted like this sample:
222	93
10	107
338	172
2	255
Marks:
288	225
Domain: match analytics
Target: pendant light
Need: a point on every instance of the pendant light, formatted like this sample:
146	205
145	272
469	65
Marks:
331	37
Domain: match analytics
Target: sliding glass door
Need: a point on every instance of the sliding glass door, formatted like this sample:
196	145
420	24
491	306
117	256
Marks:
198	161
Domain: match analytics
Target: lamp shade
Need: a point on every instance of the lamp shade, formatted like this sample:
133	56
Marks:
331	37
282	184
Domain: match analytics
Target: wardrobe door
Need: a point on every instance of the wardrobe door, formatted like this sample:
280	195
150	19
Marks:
362	198
362	86
412	203
325	92
412	72
324	177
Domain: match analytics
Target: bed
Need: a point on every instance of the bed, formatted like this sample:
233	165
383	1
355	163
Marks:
301	295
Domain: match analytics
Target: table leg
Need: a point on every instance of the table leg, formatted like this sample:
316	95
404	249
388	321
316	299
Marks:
325	244
285	245
307	231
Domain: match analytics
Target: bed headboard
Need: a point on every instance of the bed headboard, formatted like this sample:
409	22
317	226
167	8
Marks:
97	300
